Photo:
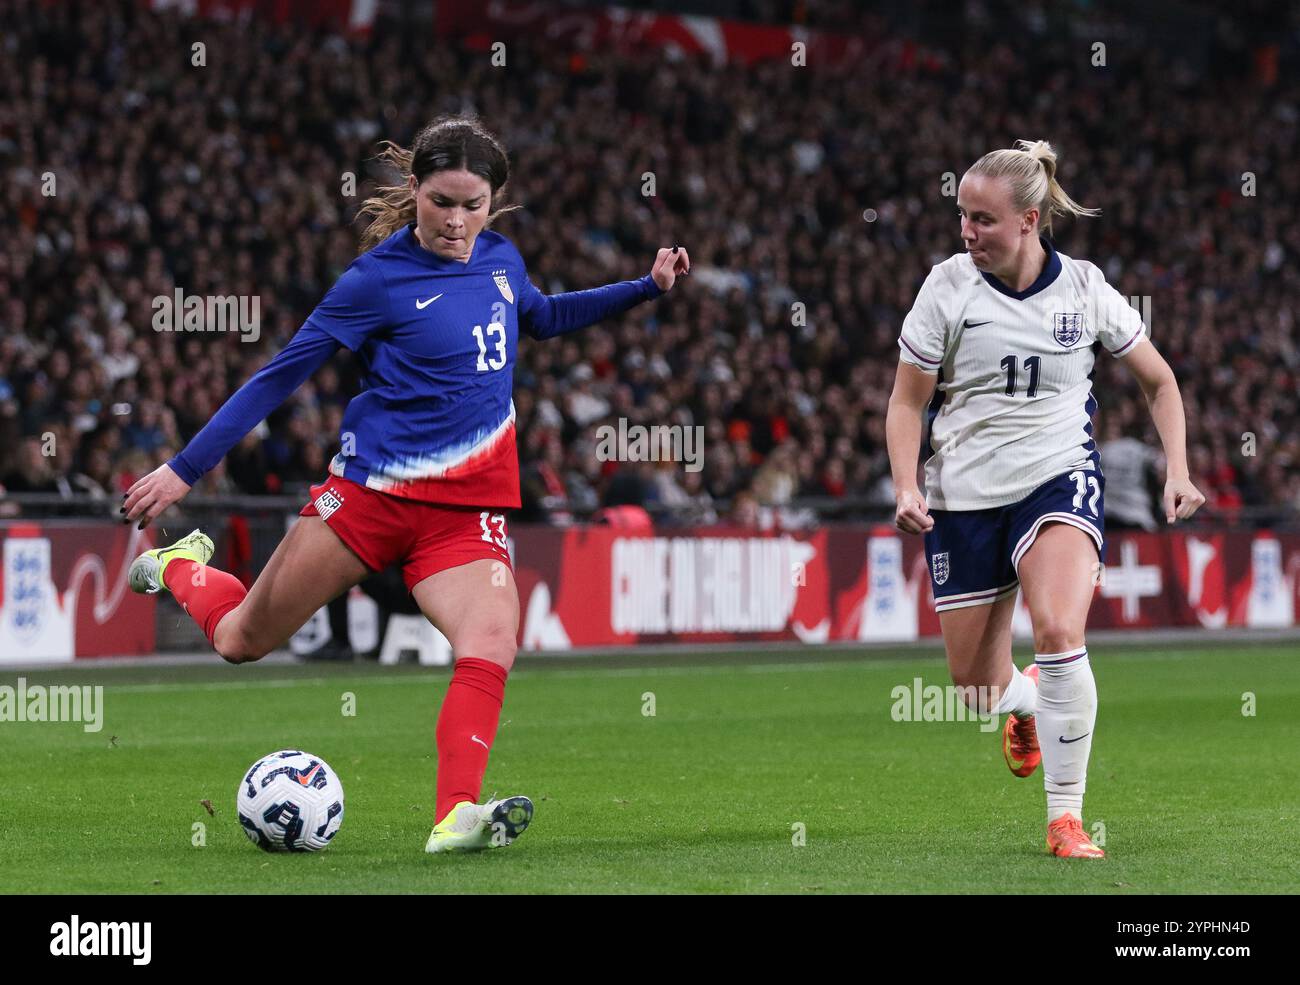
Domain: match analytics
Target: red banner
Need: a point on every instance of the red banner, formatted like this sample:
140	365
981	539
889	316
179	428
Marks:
619	29
64	593
601	587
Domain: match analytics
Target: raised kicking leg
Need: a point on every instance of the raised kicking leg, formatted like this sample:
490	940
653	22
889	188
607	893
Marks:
310	567
978	641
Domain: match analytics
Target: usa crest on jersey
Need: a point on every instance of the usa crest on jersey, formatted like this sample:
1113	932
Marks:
503	285
939	566
1067	327
327	502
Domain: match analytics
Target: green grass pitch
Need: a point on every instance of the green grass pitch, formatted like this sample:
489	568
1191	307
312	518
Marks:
703	796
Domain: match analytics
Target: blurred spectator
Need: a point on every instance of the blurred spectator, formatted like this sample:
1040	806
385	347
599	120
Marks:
744	512
34	472
1130	468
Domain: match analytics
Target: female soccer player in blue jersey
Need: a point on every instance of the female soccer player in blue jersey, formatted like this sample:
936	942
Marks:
433	307
999	344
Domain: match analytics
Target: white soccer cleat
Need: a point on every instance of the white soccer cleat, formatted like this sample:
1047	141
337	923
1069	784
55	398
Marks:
474	827
146	573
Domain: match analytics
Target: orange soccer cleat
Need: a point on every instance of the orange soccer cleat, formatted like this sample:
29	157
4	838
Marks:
1020	739
1065	839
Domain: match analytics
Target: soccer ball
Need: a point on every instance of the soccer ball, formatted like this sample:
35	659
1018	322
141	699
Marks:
290	801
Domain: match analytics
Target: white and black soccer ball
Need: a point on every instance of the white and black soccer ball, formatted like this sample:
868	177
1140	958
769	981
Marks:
290	801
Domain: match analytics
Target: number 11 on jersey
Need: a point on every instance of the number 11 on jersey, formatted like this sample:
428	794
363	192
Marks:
1031	364
1083	481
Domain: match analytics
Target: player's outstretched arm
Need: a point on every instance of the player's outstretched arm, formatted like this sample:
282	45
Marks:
251	403
913	389
545	316
1160	386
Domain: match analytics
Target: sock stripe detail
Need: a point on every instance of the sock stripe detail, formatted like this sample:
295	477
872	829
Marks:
1057	659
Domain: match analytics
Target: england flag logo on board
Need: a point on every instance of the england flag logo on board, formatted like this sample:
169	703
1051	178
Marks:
939	568
503	285
1067	327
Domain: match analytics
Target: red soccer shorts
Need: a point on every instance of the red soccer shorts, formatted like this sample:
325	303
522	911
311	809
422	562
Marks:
423	537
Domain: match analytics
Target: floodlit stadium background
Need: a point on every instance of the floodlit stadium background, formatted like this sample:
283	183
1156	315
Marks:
807	156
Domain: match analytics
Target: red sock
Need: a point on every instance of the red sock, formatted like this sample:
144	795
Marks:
205	593
467	725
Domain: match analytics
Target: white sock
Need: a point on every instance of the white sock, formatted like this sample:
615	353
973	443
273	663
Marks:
1067	713
1020	697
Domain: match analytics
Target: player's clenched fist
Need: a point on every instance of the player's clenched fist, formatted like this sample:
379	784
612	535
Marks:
1181	499
668	266
912	516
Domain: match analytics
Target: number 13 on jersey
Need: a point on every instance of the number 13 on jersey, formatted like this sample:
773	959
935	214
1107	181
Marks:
496	333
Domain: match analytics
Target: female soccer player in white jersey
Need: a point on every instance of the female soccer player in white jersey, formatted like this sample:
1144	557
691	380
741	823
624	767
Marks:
999	345
434	308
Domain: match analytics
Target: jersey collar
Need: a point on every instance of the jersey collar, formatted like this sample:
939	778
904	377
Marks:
1051	270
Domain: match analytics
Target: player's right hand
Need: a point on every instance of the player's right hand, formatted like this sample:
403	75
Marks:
152	494
668	266
912	516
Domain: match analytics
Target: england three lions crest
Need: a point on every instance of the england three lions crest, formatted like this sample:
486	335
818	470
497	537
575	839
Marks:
503	285
1067	327
939	568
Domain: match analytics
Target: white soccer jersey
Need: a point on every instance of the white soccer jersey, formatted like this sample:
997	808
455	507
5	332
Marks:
1013	404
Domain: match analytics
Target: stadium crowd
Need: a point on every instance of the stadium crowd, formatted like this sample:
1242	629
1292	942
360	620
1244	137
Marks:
231	178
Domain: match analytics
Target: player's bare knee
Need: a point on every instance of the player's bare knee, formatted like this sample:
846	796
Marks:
1056	637
236	648
497	644
234	654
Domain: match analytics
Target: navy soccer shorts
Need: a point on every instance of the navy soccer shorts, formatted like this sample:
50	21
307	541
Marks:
974	555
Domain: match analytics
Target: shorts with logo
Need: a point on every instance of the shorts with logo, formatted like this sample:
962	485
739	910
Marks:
424	538
974	555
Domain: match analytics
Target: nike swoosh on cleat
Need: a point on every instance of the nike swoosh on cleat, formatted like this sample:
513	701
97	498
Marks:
1062	738
421	305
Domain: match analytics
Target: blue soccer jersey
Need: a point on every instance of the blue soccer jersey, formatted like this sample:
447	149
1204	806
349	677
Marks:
436	340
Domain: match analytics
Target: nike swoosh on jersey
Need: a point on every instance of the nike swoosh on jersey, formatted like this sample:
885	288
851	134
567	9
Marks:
975	324
421	305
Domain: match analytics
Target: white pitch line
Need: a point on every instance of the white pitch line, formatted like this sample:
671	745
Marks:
706	670
211	685
538	672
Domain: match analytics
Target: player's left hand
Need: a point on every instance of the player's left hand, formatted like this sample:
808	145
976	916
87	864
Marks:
1182	499
668	266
